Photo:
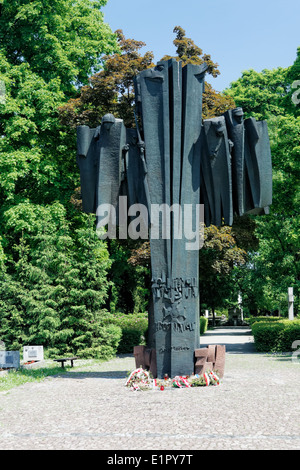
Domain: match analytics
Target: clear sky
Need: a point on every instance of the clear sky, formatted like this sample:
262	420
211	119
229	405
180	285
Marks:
238	34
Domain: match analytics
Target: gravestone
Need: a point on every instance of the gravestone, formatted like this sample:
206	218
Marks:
9	359
170	164
33	353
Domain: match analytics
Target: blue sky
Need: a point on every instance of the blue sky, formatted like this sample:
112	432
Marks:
238	34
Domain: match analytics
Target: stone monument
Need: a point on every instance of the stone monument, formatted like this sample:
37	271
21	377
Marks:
173	163
9	359
33	353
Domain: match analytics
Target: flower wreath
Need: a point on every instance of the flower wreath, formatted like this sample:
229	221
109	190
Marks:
139	379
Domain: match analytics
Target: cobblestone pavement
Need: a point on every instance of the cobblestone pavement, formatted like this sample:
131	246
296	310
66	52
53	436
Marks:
256	406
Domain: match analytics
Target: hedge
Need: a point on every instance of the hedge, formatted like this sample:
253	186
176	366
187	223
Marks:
134	330
264	319
275	336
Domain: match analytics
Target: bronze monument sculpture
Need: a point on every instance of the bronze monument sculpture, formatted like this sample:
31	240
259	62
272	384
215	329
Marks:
172	164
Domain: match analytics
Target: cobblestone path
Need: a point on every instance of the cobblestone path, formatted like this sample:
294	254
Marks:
256	406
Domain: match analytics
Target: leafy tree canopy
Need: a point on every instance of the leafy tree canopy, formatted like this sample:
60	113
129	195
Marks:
53	268
274	264
59	38
112	89
261	94
189	53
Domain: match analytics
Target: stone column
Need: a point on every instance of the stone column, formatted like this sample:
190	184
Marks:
291	303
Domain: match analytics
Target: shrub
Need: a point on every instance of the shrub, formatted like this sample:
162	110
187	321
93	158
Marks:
267	335
271	336
134	329
203	325
291	333
106	345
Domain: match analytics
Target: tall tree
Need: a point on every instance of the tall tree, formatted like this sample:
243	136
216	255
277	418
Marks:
47	50
274	264
62	39
55	284
262	95
112	89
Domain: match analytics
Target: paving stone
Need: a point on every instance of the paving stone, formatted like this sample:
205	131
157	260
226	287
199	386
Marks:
256	406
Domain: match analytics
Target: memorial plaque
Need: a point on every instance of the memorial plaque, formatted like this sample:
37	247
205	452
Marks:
9	359
33	353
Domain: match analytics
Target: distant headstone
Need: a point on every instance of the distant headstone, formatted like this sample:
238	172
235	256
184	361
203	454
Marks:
291	303
33	353
9	359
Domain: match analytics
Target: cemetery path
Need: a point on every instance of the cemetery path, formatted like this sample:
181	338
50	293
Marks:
256	406
236	339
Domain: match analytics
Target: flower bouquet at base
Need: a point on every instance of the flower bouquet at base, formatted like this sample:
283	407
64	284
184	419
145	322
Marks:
207	378
139	379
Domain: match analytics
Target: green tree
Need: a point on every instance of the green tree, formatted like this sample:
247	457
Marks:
55	286
218	258
274	263
30	137
262	95
47	293
62	39
111	90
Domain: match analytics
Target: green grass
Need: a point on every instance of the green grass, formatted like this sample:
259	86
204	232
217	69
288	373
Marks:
21	376
14	378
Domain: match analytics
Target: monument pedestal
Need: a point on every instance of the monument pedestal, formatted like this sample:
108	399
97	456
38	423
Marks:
209	358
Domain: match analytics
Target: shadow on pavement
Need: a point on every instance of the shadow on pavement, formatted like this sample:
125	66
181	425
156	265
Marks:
111	374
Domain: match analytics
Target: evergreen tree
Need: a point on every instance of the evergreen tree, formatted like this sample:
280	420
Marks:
55	287
47	50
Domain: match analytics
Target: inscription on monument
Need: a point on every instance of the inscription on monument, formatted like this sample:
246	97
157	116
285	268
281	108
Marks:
178	327
173	348
175	289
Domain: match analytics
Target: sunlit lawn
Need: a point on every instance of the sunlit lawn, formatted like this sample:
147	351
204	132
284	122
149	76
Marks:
18	377
14	378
